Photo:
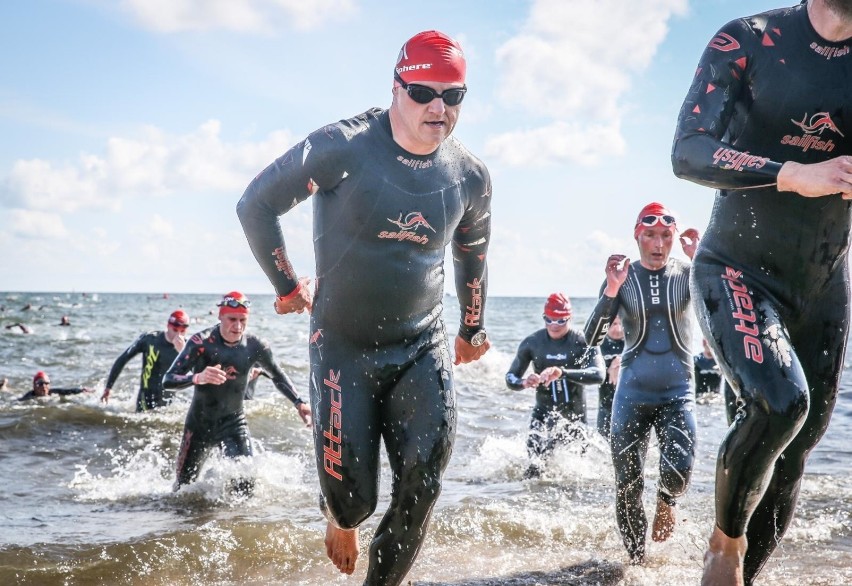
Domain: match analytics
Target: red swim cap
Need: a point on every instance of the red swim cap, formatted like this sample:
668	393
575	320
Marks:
557	306
41	375
179	319
234	302
431	56
653	214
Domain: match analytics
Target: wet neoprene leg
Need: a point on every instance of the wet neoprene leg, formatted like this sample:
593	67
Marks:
418	422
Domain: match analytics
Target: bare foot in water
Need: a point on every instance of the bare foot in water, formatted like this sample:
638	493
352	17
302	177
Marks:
341	545
723	560
664	521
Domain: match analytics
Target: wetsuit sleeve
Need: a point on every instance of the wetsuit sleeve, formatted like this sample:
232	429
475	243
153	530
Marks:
602	315
120	362
279	378
179	375
592	371
68	391
515	376
702	151
470	245
313	164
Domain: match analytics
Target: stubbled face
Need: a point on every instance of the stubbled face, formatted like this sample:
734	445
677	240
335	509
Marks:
842	8
232	326
655	245
421	128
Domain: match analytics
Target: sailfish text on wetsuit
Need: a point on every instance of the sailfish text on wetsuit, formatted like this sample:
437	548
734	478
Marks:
332	449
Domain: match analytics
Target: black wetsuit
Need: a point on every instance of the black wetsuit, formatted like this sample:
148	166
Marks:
563	402
770	276
157	356
216	416
63	392
654	389
380	364
610	348
708	375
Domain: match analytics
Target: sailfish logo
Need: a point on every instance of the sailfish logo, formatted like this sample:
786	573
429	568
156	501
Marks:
412	221
817	123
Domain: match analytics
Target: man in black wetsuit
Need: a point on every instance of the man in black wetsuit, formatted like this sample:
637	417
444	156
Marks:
562	364
218	361
159	349
655	379
768	122
42	388
611	349
392	190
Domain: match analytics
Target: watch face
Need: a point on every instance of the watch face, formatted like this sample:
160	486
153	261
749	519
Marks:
478	339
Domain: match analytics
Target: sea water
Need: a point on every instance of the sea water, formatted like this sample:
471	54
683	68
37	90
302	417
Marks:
87	487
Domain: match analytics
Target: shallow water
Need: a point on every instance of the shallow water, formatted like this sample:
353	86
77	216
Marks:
89	499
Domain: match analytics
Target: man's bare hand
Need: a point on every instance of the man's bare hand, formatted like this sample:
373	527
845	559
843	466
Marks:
465	352
296	301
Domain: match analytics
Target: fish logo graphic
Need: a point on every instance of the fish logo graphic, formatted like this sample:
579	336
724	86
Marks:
412	221
817	123
316	341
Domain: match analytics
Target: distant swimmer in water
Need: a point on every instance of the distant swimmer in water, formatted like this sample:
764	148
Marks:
42	388
391	189
654	389
64	321
218	361
562	364
767	122
159	349
24	329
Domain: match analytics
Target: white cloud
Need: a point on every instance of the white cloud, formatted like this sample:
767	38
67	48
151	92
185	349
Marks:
33	224
572	63
153	164
171	16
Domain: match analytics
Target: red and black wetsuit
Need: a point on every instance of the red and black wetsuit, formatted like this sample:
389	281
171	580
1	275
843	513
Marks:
157	356
380	364
216	415
770	276
563	401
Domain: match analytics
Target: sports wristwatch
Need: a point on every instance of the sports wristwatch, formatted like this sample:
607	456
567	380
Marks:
478	339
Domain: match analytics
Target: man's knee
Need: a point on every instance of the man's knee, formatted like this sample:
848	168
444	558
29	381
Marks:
347	513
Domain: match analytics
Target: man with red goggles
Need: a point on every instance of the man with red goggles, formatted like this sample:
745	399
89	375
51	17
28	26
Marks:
767	122
654	390
562	365
392	189
158	348
218	362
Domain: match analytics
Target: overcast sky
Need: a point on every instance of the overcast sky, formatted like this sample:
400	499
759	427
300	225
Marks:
130	128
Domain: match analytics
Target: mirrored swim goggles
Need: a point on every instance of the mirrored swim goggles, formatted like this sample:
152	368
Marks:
423	95
652	219
557	322
232	302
